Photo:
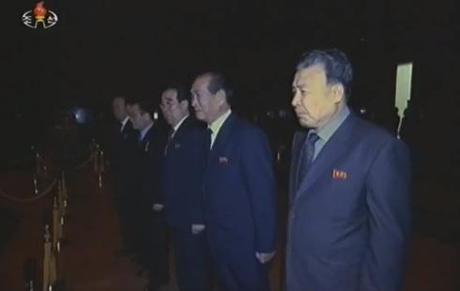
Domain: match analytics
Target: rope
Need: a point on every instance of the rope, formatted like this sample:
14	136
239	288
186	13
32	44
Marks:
84	163
50	187
29	200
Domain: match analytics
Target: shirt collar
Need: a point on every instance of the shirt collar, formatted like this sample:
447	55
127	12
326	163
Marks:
331	127
217	124
123	122
144	131
180	123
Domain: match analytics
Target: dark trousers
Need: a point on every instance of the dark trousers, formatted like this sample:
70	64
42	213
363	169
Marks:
191	259
124	209
237	269
154	250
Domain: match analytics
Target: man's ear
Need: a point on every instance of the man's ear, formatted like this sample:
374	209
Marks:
221	96
184	104
337	93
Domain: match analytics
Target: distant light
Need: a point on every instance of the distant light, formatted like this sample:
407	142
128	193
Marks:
403	90
362	110
155	115
81	115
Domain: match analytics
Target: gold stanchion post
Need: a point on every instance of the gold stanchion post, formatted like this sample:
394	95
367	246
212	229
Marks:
35	181
102	165
52	271
37	163
64	187
96	158
57	227
46	259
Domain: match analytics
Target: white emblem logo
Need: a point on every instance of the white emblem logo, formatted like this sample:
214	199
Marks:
39	17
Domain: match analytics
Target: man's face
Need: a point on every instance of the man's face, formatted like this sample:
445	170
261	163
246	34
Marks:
173	111
119	108
205	103
314	101
138	118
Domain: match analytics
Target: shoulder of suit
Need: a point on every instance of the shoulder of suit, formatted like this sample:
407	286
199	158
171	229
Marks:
247	130
192	122
193	126
373	133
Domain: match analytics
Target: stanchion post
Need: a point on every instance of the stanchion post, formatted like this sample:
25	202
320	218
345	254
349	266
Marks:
40	166
57	229
46	259
99	180
37	163
64	187
60	222
65	197
96	159
102	163
52	271
35	182
61	198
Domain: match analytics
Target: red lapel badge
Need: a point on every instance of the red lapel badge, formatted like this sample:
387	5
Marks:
223	160
339	175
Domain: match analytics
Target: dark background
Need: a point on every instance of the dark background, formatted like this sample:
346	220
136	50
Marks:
102	48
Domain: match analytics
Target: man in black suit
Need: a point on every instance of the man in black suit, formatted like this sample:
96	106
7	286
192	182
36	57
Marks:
185	160
122	148
239	190
150	226
349	200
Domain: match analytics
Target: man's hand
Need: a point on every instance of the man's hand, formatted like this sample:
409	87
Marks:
157	207
265	257
197	228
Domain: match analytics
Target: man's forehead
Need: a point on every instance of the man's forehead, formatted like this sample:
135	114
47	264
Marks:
312	73
135	107
169	94
201	82
118	100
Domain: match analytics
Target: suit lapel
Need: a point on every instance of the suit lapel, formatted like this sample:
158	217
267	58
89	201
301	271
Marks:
335	149
182	128
297	142
223	136
175	141
149	136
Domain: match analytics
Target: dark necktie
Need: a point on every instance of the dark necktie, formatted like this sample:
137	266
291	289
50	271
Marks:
170	140
306	156
208	139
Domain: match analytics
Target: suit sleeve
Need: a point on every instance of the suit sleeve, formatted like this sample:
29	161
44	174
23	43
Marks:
200	155
152	183
293	167
388	202
257	164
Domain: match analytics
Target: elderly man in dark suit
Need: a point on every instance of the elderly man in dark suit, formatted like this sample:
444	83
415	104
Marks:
349	212
239	190
150	218
122	148
184	164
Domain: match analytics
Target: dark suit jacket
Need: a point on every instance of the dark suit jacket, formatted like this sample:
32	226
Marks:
123	148
239	191
183	169
349	219
148	168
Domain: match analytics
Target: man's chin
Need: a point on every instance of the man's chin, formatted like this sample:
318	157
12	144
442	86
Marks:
199	116
304	123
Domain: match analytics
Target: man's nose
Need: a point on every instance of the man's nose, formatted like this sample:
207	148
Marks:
295	100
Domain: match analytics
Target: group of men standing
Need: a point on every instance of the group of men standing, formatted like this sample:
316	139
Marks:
209	185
